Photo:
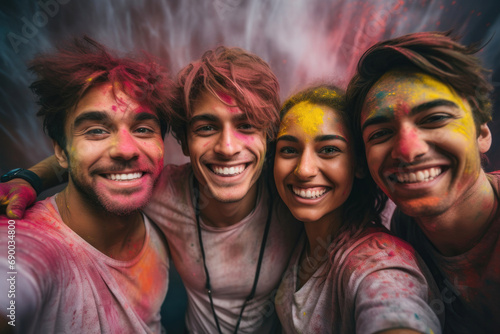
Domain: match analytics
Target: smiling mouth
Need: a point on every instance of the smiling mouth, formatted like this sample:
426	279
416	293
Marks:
424	175
227	171
124	176
309	193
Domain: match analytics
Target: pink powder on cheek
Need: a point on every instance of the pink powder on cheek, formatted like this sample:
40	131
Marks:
244	138
114	107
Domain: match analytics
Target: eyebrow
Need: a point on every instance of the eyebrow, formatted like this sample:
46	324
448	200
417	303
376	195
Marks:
103	117
203	117
317	139
213	118
144	116
99	116
329	137
288	138
415	110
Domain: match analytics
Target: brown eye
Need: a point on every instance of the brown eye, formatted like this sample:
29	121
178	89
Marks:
379	134
329	150
436	119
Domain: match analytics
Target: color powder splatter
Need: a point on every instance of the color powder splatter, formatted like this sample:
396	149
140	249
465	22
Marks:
307	115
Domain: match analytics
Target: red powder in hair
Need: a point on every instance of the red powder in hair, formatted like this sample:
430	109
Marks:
225	98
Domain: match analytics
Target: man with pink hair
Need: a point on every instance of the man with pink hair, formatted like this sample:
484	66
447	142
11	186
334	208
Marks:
87	260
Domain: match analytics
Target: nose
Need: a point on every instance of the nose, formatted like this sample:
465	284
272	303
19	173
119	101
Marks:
124	146
307	166
409	144
228	144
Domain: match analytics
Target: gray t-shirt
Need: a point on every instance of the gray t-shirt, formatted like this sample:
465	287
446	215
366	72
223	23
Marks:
371	283
231	254
469	282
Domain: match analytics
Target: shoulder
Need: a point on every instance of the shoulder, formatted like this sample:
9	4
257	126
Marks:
177	171
173	177
377	250
41	231
494	178
376	240
41	219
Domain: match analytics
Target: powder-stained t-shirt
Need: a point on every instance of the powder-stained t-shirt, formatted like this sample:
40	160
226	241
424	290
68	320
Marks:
469	282
64	285
371	283
231	254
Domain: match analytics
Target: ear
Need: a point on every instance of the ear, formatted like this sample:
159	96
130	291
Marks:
60	155
484	138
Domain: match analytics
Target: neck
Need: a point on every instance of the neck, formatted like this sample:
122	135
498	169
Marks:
223	214
321	233
119	237
462	226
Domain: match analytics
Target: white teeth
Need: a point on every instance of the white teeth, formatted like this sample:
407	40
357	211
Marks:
124	177
420	176
308	194
235	170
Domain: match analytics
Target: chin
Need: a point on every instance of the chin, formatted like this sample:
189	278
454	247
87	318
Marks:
123	206
422	207
305	217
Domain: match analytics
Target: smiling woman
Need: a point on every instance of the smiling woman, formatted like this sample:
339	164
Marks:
347	274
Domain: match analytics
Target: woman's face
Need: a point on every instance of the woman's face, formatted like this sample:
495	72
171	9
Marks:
314	166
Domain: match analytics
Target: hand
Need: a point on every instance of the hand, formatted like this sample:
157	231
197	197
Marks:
15	196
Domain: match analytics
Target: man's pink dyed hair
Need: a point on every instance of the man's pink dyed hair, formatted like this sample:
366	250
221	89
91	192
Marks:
66	75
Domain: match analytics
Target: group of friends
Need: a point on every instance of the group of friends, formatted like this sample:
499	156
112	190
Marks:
276	223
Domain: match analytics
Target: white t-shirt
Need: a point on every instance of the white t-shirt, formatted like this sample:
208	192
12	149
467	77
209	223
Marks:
374	283
62	284
231	254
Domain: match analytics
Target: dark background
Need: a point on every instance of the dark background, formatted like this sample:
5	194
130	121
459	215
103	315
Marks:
303	41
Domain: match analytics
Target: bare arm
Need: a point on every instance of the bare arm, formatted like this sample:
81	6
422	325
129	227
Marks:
16	195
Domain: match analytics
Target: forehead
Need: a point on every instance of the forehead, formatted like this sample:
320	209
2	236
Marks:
311	119
108	98
396	90
207	103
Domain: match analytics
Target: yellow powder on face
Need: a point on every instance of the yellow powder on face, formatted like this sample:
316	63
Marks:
304	114
440	89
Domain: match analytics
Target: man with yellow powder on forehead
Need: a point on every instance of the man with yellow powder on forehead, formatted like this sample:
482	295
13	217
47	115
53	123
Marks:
421	103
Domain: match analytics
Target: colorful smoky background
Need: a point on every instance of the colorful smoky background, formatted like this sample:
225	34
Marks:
303	41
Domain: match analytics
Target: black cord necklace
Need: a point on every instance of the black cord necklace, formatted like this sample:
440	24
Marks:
259	263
